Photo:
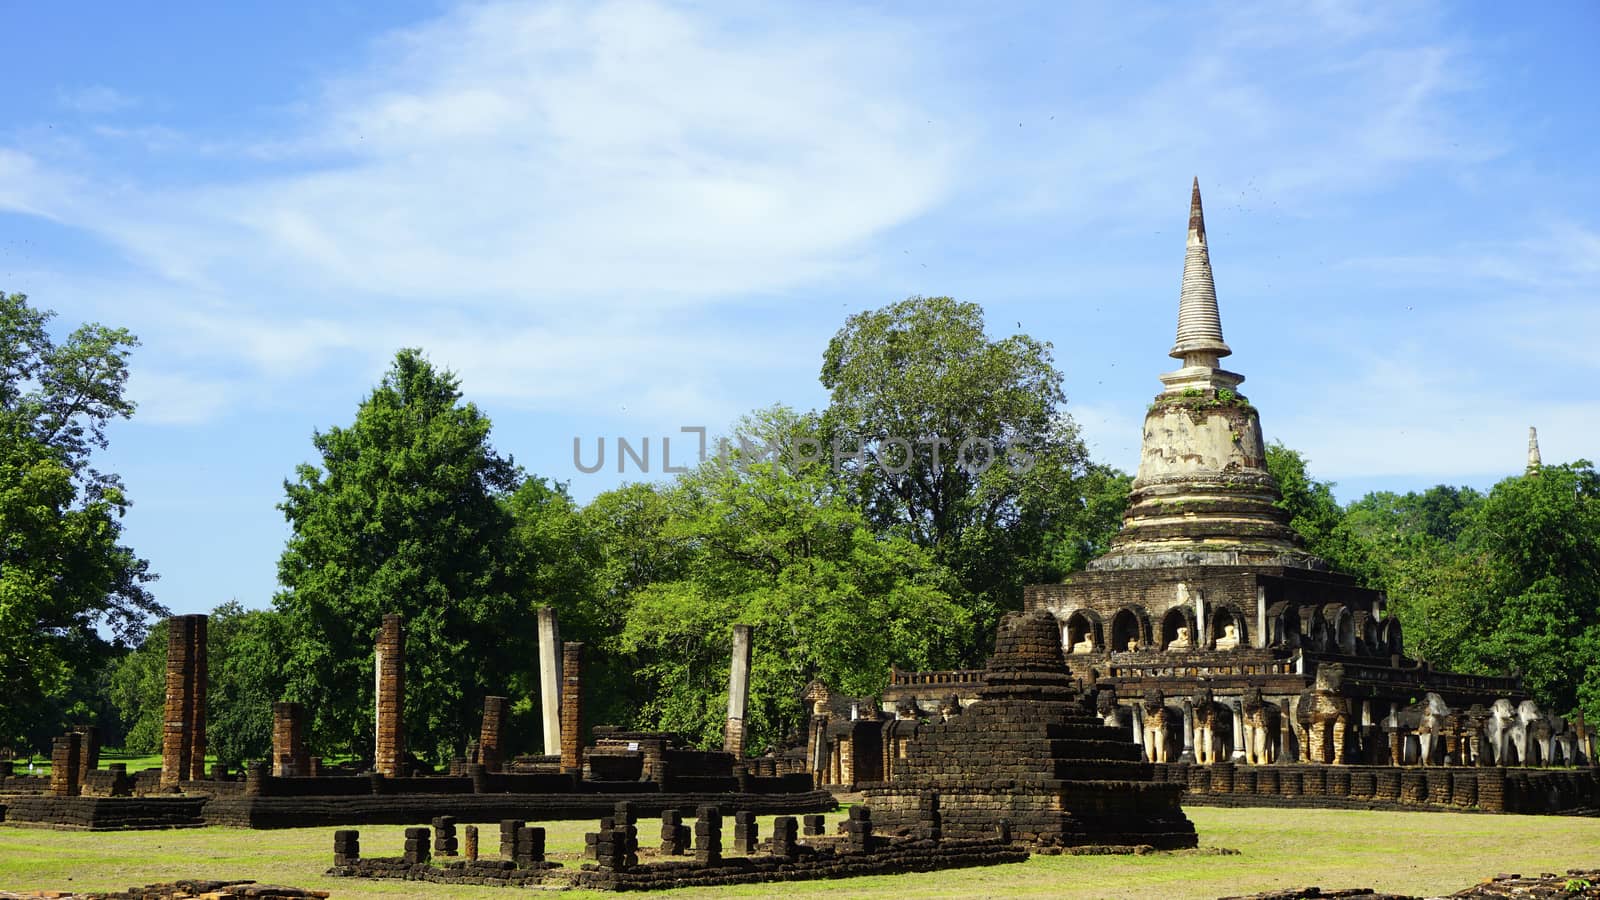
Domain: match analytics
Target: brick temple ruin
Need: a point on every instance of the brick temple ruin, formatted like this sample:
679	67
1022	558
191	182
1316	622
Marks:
618	862
1235	661
1032	753
575	778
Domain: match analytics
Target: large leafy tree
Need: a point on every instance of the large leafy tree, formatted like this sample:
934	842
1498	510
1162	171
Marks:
1535	539
965	449
407	512
64	572
773	543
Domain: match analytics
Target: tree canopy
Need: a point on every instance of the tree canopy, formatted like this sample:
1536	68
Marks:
774	544
406	512
962	444
64	571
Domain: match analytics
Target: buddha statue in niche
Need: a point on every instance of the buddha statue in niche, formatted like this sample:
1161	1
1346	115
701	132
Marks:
1181	642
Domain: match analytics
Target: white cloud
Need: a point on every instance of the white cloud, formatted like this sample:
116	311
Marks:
95	99
167	398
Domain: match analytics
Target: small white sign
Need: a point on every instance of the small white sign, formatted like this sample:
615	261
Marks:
633	745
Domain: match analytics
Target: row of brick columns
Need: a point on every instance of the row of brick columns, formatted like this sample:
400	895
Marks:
183	747
183	731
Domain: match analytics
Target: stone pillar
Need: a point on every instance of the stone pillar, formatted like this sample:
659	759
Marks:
1188	733
738	693
89	752
64	759
572	707
390	666
1238	729
197	711
1261	616
183	728
289	757
550	680
346	847
489	745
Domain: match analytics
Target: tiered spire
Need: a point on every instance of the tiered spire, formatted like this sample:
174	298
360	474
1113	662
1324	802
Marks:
1203	493
1533	451
1199	324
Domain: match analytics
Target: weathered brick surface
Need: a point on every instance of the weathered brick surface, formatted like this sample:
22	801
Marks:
1031	753
390	713
572	737
289	755
183	737
1522	791
490	753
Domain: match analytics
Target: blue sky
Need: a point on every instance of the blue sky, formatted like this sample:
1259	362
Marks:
627	218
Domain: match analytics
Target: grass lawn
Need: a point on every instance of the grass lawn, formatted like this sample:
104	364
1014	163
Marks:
134	761
1417	853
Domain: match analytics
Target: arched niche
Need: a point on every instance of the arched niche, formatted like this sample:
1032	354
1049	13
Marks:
1127	632
1228	628
1178	630
1081	632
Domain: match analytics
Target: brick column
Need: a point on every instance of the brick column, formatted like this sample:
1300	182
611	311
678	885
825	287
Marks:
64	753
390	663
183	737
289	756
738	693
89	752
572	707
494	721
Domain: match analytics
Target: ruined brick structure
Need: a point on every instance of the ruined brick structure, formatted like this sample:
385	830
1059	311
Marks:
572	707
490	749
390	666
289	755
183	738
1218	638
64	765
1209	635
1031	753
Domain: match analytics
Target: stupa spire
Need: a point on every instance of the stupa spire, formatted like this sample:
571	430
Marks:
1533	450
1199	324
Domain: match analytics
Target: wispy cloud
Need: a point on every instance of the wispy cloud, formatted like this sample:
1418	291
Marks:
94	99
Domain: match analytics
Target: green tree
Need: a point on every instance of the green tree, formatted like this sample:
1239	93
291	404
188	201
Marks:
244	669
1536	539
64	573
406	513
1317	515
775	544
138	690
918	387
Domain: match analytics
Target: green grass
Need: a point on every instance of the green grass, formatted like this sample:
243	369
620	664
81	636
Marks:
134	761
1416	853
